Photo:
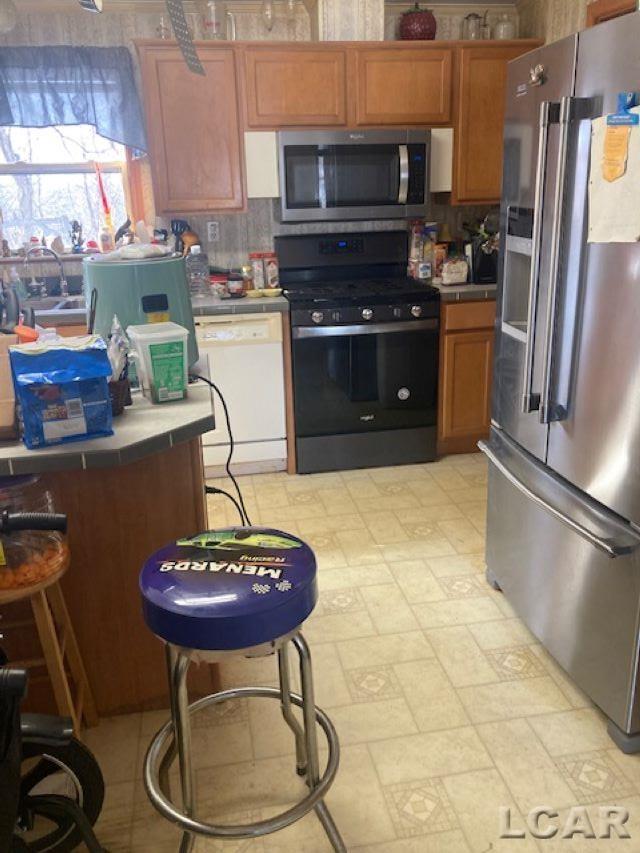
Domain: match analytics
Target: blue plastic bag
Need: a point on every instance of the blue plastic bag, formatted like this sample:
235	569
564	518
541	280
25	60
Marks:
62	390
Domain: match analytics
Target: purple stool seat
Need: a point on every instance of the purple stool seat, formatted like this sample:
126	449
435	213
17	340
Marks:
229	589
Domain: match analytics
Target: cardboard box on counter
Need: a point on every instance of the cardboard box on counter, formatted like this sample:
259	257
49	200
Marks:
7	397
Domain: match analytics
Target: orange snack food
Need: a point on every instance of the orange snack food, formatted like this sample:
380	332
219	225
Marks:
26	567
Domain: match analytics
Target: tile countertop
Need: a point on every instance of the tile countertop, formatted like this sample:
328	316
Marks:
204	306
466	292
142	430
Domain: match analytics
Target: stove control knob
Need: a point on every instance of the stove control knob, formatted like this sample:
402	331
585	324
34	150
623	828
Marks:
367	313
317	316
416	311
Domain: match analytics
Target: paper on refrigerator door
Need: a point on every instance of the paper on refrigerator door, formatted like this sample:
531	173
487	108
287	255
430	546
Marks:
614	211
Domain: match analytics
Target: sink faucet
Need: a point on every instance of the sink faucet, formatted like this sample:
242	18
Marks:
64	287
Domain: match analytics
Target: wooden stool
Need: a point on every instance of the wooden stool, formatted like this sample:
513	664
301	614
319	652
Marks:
59	643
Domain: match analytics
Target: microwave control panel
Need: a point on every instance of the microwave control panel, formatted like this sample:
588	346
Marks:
417	174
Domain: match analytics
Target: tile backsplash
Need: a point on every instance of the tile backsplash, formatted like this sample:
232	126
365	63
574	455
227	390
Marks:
253	231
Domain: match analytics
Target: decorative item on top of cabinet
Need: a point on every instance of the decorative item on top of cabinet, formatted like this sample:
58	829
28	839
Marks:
481	92
466	367
295	86
402	85
193	128
417	24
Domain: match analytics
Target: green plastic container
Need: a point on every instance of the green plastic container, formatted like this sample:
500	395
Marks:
162	360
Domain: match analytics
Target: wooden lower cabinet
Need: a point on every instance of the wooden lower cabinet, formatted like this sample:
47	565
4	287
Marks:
466	367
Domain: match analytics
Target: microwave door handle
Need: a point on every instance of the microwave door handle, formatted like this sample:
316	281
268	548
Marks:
531	401
403	187
322	183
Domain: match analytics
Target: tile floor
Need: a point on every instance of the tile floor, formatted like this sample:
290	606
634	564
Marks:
445	705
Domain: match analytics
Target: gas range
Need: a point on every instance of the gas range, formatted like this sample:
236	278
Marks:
347	301
364	351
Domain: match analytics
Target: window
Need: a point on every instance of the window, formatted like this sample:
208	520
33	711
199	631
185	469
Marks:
48	179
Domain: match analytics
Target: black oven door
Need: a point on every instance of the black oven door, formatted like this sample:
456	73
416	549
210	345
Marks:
365	378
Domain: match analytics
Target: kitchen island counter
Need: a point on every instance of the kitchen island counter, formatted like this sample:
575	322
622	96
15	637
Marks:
142	430
125	495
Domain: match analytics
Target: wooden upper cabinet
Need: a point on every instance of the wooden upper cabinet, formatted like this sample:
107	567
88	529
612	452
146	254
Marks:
295	87
193	129
481	93
400	86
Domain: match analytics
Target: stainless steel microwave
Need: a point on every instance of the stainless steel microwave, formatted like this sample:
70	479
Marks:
359	174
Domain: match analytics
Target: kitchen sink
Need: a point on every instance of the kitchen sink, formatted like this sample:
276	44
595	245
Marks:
45	303
56	303
73	303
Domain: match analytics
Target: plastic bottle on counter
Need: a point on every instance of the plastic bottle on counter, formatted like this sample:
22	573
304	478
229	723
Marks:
426	265
16	283
198	271
105	240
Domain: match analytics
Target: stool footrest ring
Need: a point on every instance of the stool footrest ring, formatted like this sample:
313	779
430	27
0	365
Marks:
163	804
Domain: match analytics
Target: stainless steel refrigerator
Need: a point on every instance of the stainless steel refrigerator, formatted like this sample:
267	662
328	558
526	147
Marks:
563	530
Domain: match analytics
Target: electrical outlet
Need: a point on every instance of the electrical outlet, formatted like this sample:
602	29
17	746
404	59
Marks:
213	232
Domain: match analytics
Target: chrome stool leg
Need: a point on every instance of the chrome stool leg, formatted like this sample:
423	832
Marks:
311	738
287	710
178	662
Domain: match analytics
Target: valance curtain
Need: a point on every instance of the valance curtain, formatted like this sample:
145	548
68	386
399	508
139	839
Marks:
58	85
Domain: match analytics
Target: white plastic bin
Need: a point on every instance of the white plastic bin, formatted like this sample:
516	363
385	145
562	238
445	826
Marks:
161	350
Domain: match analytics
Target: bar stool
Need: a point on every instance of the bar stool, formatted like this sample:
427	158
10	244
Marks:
243	591
59	646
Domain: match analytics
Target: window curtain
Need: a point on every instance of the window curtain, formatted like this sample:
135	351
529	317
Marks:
60	85
6	116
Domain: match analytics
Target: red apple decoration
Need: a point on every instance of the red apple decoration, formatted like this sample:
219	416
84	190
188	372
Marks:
418	24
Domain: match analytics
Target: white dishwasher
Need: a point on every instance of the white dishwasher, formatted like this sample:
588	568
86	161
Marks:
246	363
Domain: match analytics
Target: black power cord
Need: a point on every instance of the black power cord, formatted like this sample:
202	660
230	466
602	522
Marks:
214	490
211	490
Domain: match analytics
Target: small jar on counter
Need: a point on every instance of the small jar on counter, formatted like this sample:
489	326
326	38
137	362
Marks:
247	277
256	260
271	270
236	286
219	286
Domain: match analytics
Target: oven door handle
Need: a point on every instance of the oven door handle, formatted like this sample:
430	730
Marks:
403	187
365	329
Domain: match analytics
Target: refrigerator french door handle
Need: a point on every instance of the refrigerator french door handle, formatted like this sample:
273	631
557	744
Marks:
608	546
403	188
531	401
554	262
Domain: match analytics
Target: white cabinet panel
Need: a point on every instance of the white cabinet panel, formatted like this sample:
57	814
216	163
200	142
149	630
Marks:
261	153
441	180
